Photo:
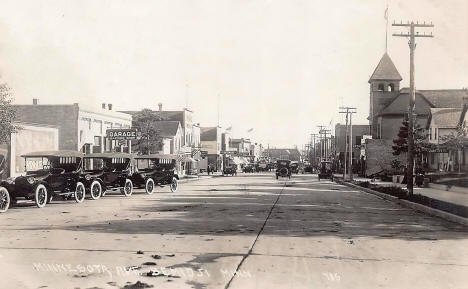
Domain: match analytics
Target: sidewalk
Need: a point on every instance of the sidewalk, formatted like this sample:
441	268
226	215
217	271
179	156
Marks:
454	197
188	178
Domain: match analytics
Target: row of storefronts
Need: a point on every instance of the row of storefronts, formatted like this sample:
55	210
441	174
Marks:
98	130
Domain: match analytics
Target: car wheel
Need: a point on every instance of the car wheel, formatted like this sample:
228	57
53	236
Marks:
95	190
40	196
174	185
4	200
127	190
79	192
149	186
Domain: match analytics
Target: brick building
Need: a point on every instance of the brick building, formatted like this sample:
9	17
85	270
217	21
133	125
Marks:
79	127
341	140
211	143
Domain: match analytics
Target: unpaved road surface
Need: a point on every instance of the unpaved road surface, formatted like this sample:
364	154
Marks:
249	231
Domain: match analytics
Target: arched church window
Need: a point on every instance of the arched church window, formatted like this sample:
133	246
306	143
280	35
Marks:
391	87
380	87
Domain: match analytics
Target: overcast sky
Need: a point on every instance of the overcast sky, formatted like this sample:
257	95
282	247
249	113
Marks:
279	67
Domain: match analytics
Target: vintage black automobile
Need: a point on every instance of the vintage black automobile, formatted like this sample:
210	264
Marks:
326	170
249	168
308	168
4	194
48	174
230	170
155	169
108	171
283	168
294	167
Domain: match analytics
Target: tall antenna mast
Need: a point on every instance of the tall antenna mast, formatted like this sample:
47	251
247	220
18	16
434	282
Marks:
386	29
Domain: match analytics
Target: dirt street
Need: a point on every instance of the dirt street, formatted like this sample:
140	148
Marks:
249	231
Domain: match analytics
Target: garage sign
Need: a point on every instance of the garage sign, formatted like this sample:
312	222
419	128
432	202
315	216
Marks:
122	133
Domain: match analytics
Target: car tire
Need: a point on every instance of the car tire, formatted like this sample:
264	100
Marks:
5	200
174	185
127	190
40	196
149	186
95	190
80	192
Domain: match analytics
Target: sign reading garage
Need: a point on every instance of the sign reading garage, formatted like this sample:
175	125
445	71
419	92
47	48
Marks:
122	133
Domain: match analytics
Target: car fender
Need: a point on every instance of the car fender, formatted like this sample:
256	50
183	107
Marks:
88	183
5	184
176	176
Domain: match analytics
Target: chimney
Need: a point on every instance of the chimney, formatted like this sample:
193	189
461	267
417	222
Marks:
103	105
35	101
160	106
109	106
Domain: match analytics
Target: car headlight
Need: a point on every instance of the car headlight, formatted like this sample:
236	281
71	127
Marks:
31	180
10	180
87	177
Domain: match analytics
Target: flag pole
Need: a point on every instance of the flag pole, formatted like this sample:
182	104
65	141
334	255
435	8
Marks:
386	29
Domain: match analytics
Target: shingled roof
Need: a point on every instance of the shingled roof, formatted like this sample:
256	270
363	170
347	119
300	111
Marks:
167	128
445	117
209	133
444	98
385	70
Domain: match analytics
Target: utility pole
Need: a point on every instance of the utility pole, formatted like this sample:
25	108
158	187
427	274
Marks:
349	112
323	140
412	45
314	135
320	140
326	150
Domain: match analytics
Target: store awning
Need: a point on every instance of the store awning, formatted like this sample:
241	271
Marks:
185	159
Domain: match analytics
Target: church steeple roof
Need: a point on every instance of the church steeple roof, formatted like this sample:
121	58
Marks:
385	70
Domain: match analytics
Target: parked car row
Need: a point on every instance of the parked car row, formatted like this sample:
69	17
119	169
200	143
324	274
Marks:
74	175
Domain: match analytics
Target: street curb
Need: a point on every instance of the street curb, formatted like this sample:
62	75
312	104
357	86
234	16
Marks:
186	180
418	207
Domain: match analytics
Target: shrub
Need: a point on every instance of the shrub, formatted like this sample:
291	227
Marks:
394	191
363	184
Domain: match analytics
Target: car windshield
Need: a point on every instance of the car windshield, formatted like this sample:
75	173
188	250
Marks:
48	162
36	163
146	164
326	166
93	164
118	164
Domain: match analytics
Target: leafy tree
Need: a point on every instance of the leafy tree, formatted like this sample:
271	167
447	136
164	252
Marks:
7	114
421	145
149	140
456	141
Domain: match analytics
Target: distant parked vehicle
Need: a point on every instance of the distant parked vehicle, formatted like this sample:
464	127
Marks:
155	170
48	174
248	168
283	169
308	168
108	171
230	170
326	170
294	167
